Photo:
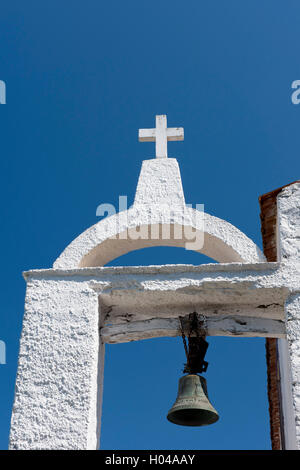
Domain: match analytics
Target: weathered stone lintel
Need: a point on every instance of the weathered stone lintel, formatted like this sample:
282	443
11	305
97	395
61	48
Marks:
234	326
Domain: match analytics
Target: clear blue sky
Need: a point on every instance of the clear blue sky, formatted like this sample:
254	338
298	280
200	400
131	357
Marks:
81	78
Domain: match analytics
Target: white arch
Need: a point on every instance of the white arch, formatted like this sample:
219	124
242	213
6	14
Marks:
114	236
159	206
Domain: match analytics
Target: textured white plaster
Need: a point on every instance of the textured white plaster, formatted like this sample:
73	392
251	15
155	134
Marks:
270	276
292	310
144	292
159	202
288	244
287	406
288	217
160	183
56	393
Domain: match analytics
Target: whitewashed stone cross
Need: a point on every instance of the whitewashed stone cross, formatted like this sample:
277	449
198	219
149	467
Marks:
161	135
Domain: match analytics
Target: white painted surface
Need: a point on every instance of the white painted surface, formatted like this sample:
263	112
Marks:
99	389
288	243
291	363
57	385
161	135
144	292
287	407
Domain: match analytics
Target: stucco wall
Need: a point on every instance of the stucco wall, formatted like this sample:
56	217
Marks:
55	404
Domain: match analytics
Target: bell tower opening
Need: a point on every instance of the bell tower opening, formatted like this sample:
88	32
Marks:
135	405
142	406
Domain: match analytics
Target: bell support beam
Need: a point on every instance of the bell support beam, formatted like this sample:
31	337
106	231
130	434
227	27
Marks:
143	292
234	326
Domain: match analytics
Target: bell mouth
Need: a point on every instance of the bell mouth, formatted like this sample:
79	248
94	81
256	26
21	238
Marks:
192	417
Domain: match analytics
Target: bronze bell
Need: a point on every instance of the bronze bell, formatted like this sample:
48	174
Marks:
192	406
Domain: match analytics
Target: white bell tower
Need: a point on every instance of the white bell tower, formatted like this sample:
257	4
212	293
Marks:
78	305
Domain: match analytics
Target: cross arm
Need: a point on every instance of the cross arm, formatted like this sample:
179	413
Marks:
147	135
175	133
